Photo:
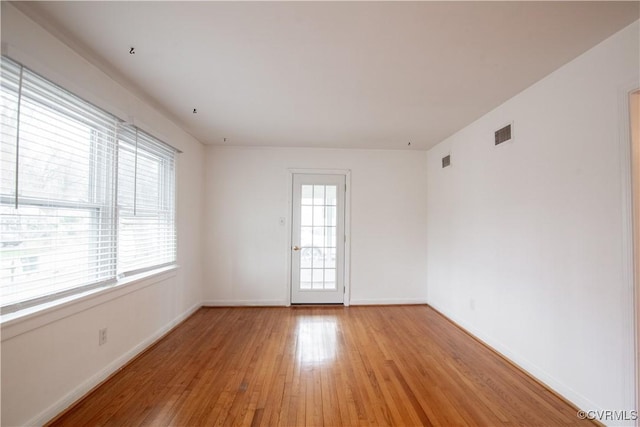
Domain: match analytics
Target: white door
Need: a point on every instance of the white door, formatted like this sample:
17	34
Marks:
317	238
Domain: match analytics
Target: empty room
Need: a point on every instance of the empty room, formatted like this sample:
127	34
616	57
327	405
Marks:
320	213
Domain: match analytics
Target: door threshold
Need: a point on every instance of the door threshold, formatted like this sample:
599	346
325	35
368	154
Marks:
307	305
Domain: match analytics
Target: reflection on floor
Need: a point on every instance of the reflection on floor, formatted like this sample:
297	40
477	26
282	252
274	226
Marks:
317	339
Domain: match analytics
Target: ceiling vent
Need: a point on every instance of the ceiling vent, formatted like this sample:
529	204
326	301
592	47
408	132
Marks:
446	161
503	135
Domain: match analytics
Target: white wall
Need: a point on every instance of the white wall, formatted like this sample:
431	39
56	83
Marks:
246	249
533	233
49	361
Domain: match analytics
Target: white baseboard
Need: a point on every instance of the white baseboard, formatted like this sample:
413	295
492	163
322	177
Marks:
521	362
270	303
76	394
388	301
241	303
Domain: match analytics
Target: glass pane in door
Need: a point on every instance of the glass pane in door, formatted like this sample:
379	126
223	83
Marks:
318	237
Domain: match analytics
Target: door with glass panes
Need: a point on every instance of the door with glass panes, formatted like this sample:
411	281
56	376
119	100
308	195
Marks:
317	252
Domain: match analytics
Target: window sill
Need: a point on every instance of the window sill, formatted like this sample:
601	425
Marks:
22	321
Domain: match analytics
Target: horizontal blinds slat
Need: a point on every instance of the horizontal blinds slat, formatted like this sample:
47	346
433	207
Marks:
43	280
35	113
9	85
72	229
154	145
39	90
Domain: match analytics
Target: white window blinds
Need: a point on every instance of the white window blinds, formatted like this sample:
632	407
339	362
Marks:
146	220
63	226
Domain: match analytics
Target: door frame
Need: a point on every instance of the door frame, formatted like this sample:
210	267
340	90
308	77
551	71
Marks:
347	226
630	223
634	164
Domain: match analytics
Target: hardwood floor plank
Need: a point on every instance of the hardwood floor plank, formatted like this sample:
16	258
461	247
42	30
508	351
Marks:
409	395
314	366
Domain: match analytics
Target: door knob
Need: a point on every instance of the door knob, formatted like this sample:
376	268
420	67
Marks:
296	248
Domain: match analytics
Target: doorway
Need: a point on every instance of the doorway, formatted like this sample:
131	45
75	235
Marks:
318	238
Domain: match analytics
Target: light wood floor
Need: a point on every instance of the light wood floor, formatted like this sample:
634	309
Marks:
393	365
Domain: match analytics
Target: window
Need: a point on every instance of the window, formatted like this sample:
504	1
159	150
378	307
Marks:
146	227
81	199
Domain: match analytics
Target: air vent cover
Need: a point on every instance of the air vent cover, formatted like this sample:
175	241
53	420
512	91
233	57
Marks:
503	135
446	161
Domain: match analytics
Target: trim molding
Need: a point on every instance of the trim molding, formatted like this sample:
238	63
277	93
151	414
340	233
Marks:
628	251
285	303
86	387
631	159
390	301
244	302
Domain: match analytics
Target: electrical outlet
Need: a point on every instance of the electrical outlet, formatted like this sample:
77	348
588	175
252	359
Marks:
472	304
102	336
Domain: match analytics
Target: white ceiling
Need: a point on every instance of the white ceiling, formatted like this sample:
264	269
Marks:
333	74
